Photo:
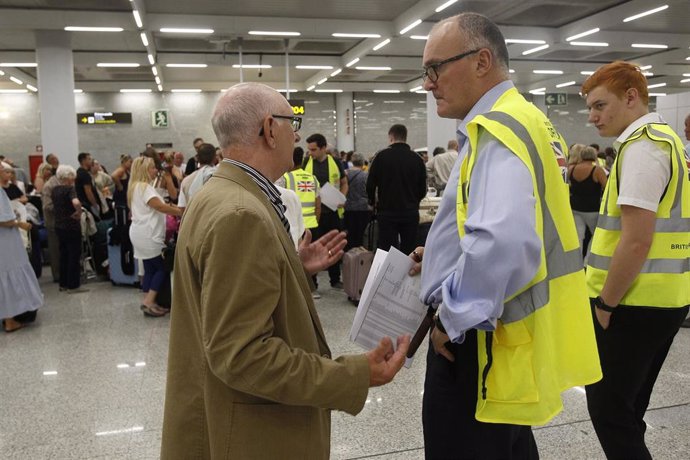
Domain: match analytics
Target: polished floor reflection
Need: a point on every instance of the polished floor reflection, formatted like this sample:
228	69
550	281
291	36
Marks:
87	381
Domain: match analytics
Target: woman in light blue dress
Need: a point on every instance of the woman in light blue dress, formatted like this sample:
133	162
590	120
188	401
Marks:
20	295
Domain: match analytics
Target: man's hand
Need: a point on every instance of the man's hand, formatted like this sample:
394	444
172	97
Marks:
417	256
26	226
322	253
384	363
603	317
439	341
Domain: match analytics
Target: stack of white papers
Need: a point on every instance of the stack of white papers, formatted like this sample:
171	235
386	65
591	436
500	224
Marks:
331	196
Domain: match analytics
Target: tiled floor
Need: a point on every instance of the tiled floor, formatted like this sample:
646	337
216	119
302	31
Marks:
87	381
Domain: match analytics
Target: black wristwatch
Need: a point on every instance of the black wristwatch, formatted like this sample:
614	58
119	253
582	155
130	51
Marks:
438	323
601	305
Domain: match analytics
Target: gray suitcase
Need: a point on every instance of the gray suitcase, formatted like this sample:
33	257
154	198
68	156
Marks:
356	266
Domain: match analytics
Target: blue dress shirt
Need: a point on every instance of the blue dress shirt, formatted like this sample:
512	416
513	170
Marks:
500	253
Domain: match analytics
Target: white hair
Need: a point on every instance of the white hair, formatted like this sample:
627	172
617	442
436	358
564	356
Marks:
65	172
7	166
239	113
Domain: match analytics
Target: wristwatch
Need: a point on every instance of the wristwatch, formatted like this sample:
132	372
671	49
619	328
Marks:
601	305
438	323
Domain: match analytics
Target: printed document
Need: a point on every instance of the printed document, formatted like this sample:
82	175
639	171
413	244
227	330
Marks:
331	196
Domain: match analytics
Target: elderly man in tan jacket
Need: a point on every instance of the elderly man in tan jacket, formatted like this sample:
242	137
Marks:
250	374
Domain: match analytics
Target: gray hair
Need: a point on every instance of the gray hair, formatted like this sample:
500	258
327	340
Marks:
588	154
481	32
65	172
6	166
357	159
240	111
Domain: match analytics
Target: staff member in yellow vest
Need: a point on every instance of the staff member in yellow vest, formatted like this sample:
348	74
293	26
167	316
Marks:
327	170
502	268
638	272
306	186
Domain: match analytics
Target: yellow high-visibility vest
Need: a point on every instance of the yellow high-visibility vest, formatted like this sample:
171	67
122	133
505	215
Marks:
664	280
304	185
544	342
333	176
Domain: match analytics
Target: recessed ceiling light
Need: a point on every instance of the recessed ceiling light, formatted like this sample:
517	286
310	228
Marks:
13	91
328	91
391	91
601	44
160	88
135	90
416	88
336	72
314	67
251	66
93	29
548	72
179	30
568	83
648	74
656	85
524	42
537	90
411	26
18	64
419	37
32	88
185	90
283	90
373	68
534	50
645	67
78	91
117	64
649	45
583	34
686	74
382	44
191	66
158	80
155	71
645	13
151	59
511	71
587	72
346	35
445	5
352	62
272	33
311	87
657	94
17	80
137	19
322	81
685	80
144	39
421	92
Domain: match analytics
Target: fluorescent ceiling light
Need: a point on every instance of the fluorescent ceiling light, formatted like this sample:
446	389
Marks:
534	50
17	80
686	74
322	81
602	44
179	30
537	91
419	37
524	42
13	91
391	91
548	72
93	29
144	39
416	88
345	35
511	71
185	90
649	45
393	102
568	83
648	74
151	59
412	25
155	71
158	80
50	373
583	34
352	62
336	72
587	72
328	91
160	88
685	80
31	87
272	33
656	85
421	92
382	44
137	19
78	91
190	66
18	64
117	64
445	5
285	91
314	67
645	67
135	90
645	13
251	66
2	73
311	87
373	68
657	94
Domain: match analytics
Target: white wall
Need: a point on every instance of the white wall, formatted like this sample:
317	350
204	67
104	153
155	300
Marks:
674	108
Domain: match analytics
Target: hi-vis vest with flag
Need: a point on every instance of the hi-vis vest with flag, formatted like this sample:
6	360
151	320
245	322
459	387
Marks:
333	176
664	280
544	341
304	185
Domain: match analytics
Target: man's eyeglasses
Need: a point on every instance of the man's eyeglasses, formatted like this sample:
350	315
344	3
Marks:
296	122
431	71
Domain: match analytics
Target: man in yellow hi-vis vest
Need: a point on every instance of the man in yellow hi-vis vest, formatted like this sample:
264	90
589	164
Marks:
638	272
502	268
306	186
327	170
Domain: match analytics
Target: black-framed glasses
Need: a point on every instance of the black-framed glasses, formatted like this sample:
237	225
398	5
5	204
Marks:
295	122
431	71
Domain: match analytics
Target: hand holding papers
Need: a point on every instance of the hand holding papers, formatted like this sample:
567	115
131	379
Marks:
331	197
390	304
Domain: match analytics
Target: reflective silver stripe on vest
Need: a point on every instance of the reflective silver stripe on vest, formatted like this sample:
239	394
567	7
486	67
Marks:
290	182
659	266
613	223
310	204
558	261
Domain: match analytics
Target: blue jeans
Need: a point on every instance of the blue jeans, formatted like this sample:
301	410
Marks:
154	274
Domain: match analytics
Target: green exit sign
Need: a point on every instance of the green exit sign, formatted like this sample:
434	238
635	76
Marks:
556	98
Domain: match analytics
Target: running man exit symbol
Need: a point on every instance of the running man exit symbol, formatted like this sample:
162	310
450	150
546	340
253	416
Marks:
159	119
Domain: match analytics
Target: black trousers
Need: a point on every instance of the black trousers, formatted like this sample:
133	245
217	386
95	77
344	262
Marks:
355	224
632	351
70	258
327	222
451	430
399	231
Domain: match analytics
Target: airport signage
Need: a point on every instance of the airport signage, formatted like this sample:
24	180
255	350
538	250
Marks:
104	118
556	99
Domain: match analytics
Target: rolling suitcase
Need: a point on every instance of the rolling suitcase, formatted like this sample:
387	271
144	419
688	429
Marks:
117	275
356	266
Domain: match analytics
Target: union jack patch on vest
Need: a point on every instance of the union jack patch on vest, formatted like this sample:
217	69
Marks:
305	186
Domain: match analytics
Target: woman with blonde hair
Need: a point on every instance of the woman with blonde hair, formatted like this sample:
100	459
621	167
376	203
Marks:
147	231
45	170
